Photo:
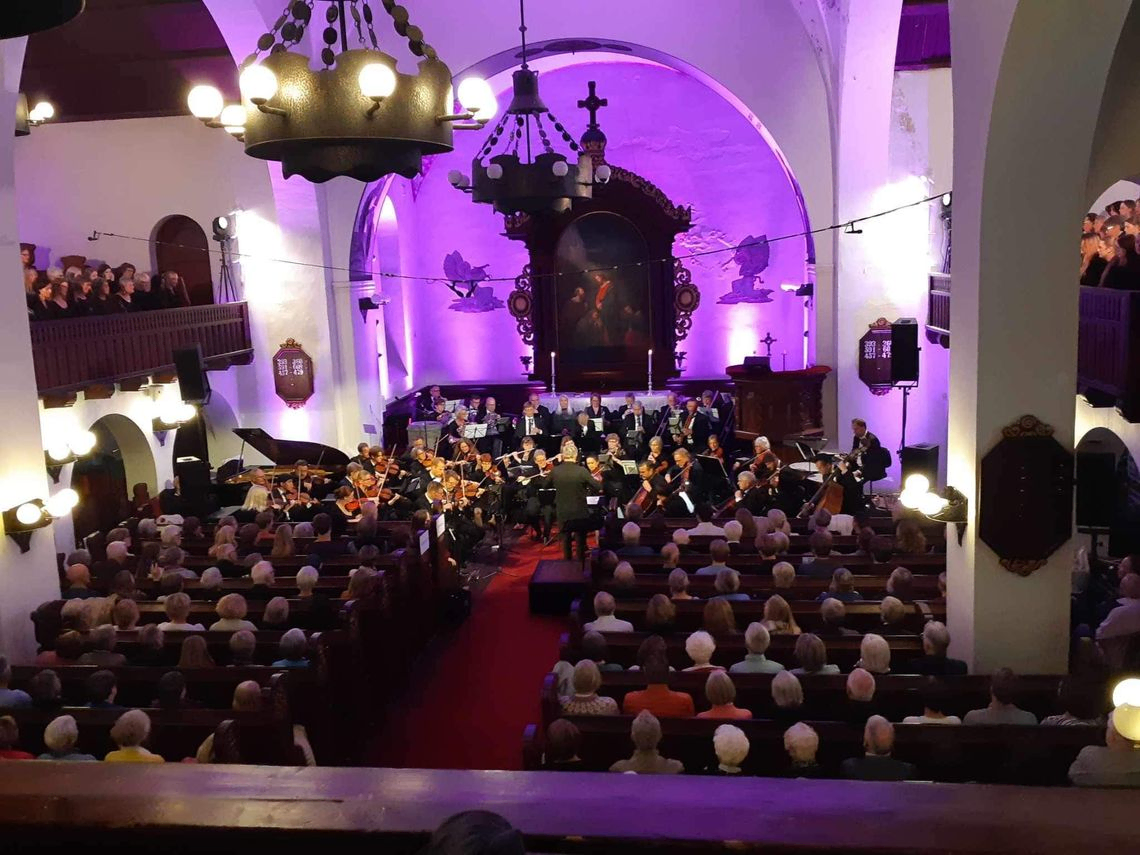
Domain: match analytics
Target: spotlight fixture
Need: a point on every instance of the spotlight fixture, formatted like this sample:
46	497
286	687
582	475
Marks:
61	450
805	290
23	519
371	304
224	227
530	182
26	118
949	506
358	116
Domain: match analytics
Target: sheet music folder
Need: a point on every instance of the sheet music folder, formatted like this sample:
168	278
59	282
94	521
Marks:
474	431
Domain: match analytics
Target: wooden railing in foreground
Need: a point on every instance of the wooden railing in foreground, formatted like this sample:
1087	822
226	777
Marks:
235	808
76	353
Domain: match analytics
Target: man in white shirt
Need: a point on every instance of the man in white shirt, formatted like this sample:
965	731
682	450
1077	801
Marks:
705	525
605	621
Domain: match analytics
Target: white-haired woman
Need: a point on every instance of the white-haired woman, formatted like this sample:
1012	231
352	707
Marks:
700	648
586	681
731	746
802	743
232	609
874	654
61	736
129	733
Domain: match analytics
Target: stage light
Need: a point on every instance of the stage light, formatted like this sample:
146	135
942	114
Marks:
909	499
233	116
477	97
186	413
224	228
58	452
258	84
947	198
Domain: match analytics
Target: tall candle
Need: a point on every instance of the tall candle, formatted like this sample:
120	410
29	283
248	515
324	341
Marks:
651	371
552	387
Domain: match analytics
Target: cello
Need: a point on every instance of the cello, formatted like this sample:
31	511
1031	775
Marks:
829	496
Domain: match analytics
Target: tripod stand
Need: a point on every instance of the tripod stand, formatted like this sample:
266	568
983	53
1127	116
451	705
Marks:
227	282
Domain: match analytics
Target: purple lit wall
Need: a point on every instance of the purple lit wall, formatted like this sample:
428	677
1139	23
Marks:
661	123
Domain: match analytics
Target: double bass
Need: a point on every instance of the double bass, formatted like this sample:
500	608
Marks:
829	496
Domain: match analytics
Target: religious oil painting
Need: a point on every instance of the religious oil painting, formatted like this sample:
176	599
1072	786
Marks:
603	306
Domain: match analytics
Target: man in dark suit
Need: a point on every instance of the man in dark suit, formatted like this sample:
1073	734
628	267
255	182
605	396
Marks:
694	427
585	437
873	458
934	661
540	410
878	764
639	422
572	484
531	423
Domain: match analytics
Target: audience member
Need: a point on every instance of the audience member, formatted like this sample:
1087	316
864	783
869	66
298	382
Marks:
101	690
625	581
705	526
670	556
171	691
783	576
900	584
1002	710
909	539
11	698
874	654
778	617
242	644
563	740
292	647
149	649
646	760
631	541
10	740
1114	764
727	586
195	653
129	733
276	614
1082	703
756	641
935	699
733	531
605	621
788	697
700	648
893	615
877	764
731	747
934	662
46	690
101	641
811	656
661	615
79	582
860	697
718	554
68	648
594	648
721	694
586	700
718	619
802	744
679	585
657	697
61	738
125	615
842	587
177	608
816	564
833	614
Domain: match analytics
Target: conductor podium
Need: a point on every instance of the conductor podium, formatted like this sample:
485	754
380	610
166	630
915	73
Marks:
777	404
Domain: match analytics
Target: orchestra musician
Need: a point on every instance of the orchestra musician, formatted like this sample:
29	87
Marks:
303	508
750	496
763	463
686	484
714	448
530	424
427	409
308	482
464	453
657	457
637	422
539	513
852	492
475	408
871	458
694	428
454	430
345	510
671	408
584	435
630	398
709	402
596	411
540	411
363	456
562	419
439	413
492	443
511	487
654	488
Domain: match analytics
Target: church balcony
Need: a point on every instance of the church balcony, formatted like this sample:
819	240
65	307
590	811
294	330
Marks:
1108	350
938	310
85	354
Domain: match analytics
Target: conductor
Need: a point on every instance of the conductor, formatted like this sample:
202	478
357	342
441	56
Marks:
572	483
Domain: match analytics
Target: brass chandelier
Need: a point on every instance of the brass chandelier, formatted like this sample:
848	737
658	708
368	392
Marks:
358	116
527	174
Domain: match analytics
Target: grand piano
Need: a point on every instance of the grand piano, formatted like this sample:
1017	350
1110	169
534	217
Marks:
323	460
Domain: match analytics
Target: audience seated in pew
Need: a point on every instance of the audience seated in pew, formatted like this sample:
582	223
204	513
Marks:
10	698
61	738
934	702
605	621
718	619
934	661
778	618
756	641
700	647
129	733
657	697
731	747
721	694
811	656
585	700
177	607
718	556
10	739
801	742
1115	764
1002	710
787	698
878	764
646	759
232	609
874	654
832	615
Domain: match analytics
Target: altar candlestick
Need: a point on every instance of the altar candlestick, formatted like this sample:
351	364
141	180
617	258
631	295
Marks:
552	388
651	372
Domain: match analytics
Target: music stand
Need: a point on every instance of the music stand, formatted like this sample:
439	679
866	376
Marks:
599	425
713	466
628	467
474	431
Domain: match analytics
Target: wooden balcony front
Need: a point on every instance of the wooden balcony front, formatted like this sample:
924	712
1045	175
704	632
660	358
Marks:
938	310
1108	349
79	353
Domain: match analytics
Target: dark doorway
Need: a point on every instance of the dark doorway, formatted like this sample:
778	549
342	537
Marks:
101	482
181	245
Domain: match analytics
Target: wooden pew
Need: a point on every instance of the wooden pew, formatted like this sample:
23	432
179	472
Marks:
863	616
874	587
860	564
621	647
1007	754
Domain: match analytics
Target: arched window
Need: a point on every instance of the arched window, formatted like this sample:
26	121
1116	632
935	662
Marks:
181	245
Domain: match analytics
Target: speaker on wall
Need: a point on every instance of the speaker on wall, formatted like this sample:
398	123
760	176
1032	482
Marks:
192	380
904	351
1096	489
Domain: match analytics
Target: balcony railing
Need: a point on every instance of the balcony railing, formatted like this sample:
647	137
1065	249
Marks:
1108	349
78	353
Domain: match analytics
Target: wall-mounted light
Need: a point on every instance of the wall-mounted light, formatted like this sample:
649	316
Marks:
1126	715
64	449
949	506
172	414
23	519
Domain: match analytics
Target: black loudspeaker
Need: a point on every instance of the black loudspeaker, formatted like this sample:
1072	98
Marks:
904	351
921	459
192	380
194	482
1096	489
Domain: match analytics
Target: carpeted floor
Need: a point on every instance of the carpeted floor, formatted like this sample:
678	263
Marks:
477	689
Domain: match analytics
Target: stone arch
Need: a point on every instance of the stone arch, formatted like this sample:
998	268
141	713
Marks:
122	458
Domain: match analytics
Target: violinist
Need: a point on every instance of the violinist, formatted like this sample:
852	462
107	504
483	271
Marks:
492	443
709	402
671	408
283	493
763	463
686	484
306	481
694	428
749	495
539	512
454	430
303	508
594	467
657	457
464	453
491	483
714	448
345	510
363	455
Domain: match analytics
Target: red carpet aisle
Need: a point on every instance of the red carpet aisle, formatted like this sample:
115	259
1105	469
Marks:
467	707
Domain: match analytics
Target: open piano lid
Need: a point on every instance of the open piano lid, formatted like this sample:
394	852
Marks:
286	452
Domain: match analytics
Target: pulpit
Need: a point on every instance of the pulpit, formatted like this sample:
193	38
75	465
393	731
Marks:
777	404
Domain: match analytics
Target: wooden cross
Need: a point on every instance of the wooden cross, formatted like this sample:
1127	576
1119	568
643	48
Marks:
768	341
593	103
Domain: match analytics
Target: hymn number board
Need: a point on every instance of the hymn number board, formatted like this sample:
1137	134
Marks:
875	355
293	374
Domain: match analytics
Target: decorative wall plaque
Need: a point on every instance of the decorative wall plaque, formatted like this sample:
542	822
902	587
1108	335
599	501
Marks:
1026	511
293	374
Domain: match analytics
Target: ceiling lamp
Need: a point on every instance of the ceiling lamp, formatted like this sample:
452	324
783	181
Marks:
527	174
358	116
24	17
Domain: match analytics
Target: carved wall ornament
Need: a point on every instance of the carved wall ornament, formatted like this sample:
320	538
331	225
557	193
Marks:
1026	511
520	304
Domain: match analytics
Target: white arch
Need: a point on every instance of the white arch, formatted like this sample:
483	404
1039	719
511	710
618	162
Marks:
138	459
